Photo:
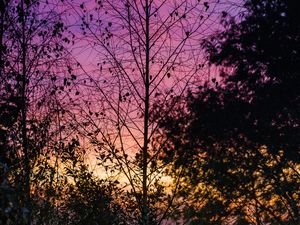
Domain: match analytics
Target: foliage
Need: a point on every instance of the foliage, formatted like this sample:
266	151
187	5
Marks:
87	199
32	41
240	132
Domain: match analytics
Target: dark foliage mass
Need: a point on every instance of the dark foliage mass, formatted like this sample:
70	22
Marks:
239	124
261	96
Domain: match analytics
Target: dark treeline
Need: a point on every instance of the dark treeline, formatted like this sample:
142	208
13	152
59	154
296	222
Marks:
143	137
241	132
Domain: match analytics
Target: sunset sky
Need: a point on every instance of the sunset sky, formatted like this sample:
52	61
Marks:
149	112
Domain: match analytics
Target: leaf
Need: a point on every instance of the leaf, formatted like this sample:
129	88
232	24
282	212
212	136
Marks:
206	6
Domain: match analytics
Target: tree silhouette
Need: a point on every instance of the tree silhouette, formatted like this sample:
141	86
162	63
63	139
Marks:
145	55
32	39
262	51
241	130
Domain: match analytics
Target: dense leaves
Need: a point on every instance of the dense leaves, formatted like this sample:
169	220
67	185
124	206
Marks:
263	52
242	130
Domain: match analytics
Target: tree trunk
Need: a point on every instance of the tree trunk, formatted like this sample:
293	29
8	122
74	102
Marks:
145	218
27	204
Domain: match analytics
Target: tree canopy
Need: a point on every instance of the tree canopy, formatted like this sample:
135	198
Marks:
240	132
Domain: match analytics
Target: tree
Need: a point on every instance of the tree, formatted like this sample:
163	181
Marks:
32	39
241	130
145	55
263	71
85	198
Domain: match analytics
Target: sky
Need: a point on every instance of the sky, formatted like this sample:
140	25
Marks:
111	61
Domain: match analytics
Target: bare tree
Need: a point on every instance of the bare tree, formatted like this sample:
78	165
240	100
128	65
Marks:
147	52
